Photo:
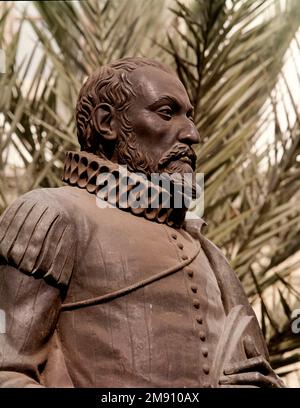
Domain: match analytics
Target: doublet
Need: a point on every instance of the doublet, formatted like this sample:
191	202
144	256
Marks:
57	247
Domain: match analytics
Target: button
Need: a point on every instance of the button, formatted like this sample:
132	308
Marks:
205	352
184	257
205	369
202	336
174	236
199	320
190	272
206	385
180	245
196	303
194	288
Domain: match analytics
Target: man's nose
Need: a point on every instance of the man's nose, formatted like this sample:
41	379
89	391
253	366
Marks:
188	133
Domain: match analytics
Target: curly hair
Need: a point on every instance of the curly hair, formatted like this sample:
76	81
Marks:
109	84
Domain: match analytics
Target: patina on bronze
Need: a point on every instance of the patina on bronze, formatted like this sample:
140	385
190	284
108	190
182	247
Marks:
123	297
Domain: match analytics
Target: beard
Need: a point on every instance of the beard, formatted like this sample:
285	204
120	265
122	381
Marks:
174	163
181	158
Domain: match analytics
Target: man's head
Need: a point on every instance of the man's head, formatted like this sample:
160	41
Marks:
136	112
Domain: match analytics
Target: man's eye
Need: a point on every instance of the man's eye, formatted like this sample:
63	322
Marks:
166	112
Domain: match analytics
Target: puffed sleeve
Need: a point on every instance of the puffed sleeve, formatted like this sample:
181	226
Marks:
37	252
38	239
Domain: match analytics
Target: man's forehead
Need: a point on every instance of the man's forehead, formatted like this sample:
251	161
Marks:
151	83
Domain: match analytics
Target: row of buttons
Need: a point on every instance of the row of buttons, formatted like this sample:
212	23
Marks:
184	257
196	304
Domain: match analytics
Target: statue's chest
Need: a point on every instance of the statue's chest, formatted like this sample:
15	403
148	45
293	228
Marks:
166	328
123	249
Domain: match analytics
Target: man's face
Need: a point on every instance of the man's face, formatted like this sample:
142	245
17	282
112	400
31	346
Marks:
161	117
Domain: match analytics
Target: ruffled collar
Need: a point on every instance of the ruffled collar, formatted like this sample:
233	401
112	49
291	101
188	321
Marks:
82	169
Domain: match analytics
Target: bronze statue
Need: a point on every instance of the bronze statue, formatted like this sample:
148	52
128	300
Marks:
123	296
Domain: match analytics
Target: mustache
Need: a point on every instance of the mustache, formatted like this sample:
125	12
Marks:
176	153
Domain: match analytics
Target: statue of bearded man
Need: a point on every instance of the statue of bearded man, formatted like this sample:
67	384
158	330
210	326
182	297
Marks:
123	295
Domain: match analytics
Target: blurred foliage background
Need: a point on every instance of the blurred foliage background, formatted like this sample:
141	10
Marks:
239	60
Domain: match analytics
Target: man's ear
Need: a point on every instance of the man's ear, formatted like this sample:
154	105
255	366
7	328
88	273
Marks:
104	122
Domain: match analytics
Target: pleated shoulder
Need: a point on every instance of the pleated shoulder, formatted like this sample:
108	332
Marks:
37	238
